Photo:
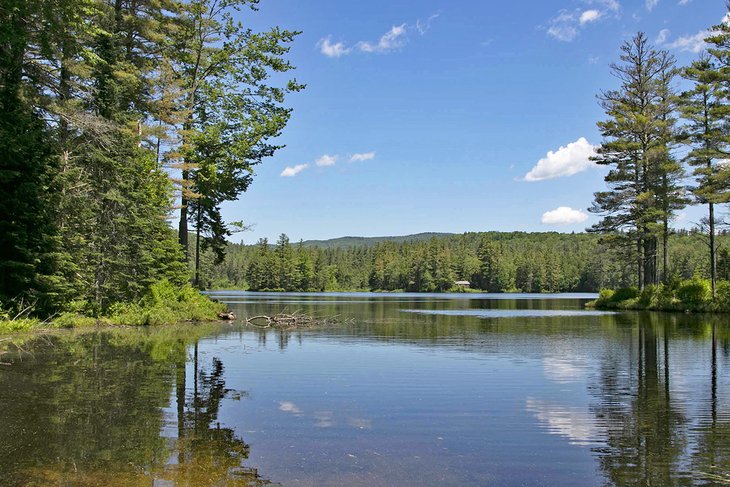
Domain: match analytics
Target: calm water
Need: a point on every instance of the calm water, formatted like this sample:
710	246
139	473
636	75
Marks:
510	390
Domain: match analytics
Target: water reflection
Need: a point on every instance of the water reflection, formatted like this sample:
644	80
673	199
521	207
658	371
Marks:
630	399
89	409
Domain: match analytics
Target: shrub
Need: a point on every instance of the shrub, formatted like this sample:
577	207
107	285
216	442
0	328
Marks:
723	295
694	292
166	303
624	294
73	320
606	295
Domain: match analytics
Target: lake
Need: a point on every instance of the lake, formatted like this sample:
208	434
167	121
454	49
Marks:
407	389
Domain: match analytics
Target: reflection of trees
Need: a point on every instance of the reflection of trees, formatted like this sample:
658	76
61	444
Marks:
711	456
643	426
207	454
88	409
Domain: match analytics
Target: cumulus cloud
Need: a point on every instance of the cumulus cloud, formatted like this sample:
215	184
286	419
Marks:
663	36
291	171
690	43
566	161
694	43
563	215
589	16
366	156
395	38
563	27
567	24
650	4
329	49
326	160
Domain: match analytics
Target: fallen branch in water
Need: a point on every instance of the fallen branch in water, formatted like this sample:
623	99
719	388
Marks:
290	321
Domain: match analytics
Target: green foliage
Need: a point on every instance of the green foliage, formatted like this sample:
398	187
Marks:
644	189
694	293
624	294
165	303
688	295
19	325
74	320
133	85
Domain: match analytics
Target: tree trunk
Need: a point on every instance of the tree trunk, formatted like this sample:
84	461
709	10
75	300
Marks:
713	251
640	263
665	252
183	228
197	249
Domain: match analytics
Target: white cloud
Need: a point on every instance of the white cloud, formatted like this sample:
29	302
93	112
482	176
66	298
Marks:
650	4
326	160
332	50
563	27
690	43
684	2
393	39
694	43
663	36
566	161
563	215
610	5
589	16
423	26
362	157
567	24
291	171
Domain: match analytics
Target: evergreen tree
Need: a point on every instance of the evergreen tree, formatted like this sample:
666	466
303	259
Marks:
225	100
635	147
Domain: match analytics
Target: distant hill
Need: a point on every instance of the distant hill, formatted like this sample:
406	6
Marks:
343	242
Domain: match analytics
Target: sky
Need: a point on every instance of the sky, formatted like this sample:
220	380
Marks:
449	116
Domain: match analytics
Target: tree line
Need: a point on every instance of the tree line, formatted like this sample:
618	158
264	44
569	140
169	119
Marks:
110	110
490	261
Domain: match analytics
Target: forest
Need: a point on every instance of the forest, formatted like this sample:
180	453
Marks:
490	261
113	116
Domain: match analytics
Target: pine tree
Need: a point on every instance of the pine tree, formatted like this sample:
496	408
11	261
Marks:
706	111
635	146
223	71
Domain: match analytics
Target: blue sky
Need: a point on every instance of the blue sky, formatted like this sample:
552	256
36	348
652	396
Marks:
449	116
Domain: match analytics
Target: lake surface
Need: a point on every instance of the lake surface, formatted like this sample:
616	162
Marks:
409	389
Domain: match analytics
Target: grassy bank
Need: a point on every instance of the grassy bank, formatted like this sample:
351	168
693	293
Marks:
164	304
692	295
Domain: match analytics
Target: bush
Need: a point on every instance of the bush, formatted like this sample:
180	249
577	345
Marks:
695	292
606	295
624	294
73	320
166	303
722	300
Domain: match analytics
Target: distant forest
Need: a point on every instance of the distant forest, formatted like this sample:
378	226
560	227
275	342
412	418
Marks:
490	261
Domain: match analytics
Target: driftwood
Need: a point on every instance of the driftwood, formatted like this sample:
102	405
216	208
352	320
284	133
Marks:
290	321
